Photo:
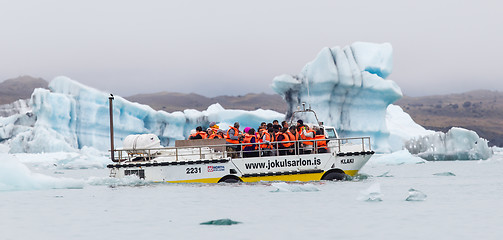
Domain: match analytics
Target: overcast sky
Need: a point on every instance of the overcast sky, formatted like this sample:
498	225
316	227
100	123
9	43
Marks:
235	47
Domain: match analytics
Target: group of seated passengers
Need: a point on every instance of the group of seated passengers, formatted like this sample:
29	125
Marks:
270	136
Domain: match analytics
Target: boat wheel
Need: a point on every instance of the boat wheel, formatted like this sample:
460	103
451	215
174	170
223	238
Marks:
230	179
334	175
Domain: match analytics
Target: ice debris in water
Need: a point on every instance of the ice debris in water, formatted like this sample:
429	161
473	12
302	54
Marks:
371	194
358	177
224	221
447	174
415	195
386	174
131	180
285	187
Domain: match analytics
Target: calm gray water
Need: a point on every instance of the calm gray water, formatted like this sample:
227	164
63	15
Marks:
464	201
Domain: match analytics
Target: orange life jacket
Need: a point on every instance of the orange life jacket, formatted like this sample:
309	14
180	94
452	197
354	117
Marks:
285	139
291	136
202	134
227	137
321	144
214	135
303	137
267	138
192	135
247	139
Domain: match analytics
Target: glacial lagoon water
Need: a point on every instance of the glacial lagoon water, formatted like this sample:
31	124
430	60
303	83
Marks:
456	200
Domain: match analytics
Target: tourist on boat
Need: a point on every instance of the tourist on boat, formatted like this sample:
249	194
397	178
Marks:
218	135
299	128
275	125
300	125
283	144
284	124
209	131
265	138
271	132
294	136
233	137
250	150
199	134
321	143
214	127
307	135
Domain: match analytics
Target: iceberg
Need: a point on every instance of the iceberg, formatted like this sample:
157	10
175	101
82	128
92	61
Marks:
16	176
402	128
19	106
70	116
456	144
347	89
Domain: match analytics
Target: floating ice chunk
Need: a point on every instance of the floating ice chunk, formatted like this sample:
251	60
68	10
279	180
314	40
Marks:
386	174
286	187
224	221
16	176
371	194
130	180
448	174
396	158
358	177
415	195
456	144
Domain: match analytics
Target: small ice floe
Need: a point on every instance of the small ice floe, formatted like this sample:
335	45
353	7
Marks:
395	158
386	174
285	187
131	180
358	177
371	194
447	174
415	195
224	221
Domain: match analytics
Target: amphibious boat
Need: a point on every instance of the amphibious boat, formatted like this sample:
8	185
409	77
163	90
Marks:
215	161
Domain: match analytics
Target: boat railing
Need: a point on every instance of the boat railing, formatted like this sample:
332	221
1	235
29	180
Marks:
244	150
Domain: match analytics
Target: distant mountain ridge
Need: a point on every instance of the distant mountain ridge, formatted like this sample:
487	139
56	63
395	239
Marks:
170	101
481	110
21	87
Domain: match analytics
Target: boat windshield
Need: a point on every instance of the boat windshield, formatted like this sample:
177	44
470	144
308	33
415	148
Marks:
330	133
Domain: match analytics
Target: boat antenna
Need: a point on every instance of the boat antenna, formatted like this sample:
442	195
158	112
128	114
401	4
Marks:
110	99
308	95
